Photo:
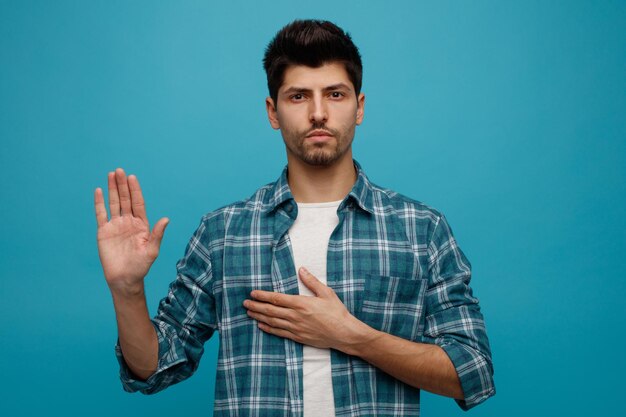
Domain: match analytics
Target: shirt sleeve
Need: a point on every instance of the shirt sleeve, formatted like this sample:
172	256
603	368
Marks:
453	317
185	320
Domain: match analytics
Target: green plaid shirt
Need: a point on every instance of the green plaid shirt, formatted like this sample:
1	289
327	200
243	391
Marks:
392	261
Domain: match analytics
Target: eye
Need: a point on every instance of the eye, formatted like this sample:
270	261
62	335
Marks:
337	94
297	97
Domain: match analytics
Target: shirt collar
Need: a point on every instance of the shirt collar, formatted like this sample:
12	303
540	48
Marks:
361	192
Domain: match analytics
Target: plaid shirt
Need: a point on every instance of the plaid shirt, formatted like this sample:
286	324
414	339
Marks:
391	260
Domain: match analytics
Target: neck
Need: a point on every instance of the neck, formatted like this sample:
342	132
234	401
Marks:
320	184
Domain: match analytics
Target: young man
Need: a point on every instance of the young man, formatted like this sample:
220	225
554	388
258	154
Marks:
331	295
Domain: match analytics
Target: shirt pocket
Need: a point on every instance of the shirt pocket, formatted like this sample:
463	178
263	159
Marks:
394	305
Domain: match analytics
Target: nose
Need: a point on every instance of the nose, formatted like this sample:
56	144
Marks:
318	112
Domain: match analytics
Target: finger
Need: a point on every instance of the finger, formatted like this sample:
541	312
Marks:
271	321
279	332
269	309
312	282
122	188
276	298
154	242
137	203
114	197
101	211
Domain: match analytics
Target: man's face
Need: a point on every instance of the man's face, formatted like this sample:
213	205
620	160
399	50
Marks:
317	111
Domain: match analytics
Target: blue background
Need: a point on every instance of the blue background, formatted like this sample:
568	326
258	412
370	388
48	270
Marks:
510	117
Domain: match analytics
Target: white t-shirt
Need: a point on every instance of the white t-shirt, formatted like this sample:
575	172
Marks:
309	237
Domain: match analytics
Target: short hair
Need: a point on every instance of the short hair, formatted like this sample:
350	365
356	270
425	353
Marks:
312	43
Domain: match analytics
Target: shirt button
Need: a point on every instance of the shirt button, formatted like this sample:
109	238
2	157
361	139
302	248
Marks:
289	208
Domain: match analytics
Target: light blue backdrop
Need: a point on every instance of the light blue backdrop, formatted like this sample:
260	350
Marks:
507	116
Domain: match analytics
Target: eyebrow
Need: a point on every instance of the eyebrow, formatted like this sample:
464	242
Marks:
338	86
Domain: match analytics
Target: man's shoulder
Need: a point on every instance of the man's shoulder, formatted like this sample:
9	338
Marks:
255	203
387	200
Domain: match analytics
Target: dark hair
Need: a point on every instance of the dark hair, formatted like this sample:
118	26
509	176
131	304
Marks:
312	43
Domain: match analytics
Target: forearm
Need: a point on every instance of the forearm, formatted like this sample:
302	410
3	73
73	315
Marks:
324	322
137	336
420	365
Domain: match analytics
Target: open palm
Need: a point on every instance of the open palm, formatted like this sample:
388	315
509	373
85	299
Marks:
126	245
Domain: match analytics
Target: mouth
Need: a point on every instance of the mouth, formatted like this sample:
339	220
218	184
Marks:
319	136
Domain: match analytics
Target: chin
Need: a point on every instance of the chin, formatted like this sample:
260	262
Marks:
321	157
321	154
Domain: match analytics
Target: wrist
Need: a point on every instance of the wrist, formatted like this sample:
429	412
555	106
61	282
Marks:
126	293
359	338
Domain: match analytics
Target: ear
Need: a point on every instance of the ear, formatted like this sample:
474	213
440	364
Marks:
360	108
272	115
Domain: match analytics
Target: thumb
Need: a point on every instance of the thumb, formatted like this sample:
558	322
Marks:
154	242
311	282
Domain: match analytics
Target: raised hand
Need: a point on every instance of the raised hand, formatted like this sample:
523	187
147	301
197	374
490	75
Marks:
126	245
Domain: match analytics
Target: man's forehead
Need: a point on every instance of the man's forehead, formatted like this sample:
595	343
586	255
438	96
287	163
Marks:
302	76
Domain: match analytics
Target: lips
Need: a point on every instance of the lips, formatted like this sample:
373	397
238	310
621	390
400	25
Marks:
319	136
319	133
